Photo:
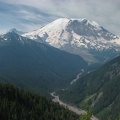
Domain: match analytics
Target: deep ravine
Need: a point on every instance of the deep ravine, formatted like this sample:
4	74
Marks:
72	108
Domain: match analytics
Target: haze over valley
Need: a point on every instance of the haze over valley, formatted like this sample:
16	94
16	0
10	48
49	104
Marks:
59	60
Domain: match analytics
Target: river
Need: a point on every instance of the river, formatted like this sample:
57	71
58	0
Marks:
74	80
72	108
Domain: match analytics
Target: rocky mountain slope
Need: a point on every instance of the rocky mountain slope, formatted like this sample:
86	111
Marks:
99	89
79	36
16	31
36	66
17	104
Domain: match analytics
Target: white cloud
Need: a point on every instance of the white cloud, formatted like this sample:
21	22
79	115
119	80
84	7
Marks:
105	12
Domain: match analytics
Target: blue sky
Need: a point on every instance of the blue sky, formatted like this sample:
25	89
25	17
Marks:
27	15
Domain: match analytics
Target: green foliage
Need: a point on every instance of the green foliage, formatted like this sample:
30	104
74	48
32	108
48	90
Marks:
36	66
99	89
87	115
18	104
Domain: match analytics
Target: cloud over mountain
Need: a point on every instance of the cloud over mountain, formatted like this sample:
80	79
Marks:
33	14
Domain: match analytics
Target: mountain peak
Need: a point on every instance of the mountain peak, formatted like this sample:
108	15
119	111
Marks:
16	31
82	20
85	23
11	33
78	36
12	36
13	29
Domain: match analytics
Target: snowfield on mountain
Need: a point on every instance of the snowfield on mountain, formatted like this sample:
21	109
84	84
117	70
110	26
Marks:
79	36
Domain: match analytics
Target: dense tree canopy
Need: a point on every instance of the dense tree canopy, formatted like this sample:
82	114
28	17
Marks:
18	104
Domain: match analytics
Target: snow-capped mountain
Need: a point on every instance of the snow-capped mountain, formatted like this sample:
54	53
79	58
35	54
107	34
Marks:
23	60
13	37
16	31
79	36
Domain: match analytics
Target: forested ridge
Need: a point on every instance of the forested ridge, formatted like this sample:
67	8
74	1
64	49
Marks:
99	89
16	104
35	66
